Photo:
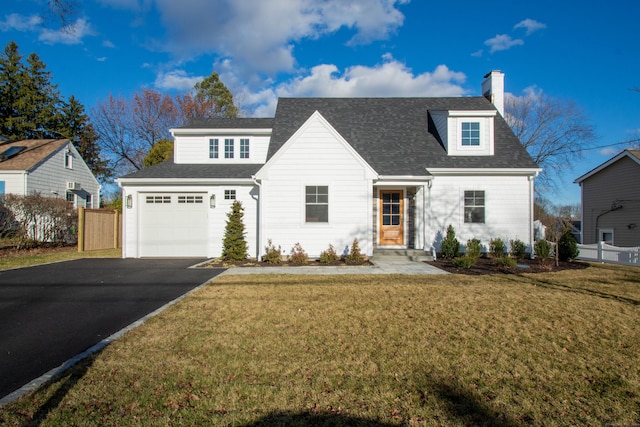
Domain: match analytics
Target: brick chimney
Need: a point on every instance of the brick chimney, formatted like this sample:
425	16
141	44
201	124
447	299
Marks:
493	89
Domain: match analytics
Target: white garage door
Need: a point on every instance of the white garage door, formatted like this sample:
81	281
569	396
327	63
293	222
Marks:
173	225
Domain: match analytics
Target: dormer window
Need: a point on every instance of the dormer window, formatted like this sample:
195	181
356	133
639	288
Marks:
470	134
213	148
244	148
228	148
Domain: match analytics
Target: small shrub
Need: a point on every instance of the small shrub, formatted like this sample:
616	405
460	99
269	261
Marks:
464	261
272	255
505	262
298	256
542	249
497	248
450	246
329	256
518	249
474	248
567	246
354	257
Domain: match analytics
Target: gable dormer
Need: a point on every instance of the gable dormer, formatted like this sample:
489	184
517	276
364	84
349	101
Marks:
466	133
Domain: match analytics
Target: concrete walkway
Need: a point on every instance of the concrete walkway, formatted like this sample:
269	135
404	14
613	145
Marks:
378	267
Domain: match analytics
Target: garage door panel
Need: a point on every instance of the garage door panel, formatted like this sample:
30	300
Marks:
173	225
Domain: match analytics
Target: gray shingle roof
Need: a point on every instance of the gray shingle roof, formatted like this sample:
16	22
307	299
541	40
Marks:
393	135
231	123
171	170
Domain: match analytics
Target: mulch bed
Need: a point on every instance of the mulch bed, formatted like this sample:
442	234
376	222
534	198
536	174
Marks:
487	266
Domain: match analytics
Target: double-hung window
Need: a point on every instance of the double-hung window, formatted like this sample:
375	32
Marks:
213	148
244	148
474	207
317	203
228	148
470	134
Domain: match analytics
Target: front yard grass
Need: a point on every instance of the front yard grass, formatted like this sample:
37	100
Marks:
35	257
508	350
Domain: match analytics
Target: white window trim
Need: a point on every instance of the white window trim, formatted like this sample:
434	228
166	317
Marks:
304	205
68	160
232	151
602	231
248	153
482	146
464	207
214	143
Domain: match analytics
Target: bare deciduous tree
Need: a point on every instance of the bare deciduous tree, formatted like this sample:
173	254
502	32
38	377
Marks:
129	128
555	132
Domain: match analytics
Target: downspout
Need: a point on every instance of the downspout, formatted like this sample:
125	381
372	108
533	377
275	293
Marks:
258	216
426	201
531	219
614	207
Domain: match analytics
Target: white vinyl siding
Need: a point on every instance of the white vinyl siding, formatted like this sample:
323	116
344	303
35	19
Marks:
196	149
507	208
315	155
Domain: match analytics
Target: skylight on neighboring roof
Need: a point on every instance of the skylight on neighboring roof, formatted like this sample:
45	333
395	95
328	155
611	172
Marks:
11	152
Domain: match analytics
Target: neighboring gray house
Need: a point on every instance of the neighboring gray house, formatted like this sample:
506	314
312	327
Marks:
391	172
50	167
611	201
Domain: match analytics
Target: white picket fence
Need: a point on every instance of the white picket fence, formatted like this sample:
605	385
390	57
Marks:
602	252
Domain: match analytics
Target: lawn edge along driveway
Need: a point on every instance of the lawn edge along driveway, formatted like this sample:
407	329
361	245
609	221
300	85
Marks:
54	315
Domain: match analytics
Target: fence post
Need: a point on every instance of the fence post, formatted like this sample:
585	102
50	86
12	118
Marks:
600	249
80	229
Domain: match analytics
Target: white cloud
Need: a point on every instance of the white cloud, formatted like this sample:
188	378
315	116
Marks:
108	43
477	53
261	34
502	42
530	25
389	79
610	151
176	80
72	34
18	22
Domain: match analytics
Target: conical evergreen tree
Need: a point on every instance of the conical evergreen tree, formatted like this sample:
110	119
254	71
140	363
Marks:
12	76
75	126
234	245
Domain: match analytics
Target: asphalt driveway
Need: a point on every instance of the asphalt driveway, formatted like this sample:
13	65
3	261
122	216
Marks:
50	313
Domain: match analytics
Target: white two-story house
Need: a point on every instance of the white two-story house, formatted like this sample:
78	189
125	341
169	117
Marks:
390	172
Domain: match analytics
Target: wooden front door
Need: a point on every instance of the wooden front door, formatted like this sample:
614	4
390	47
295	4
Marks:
391	217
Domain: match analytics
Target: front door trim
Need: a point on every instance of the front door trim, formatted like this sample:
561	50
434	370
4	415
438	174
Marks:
391	217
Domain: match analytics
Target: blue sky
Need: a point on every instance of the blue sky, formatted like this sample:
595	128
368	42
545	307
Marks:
585	51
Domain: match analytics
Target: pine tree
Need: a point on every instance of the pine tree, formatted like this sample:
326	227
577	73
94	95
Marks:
75	126
234	245
12	76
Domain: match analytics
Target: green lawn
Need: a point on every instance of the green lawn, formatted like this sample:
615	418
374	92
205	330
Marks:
447	350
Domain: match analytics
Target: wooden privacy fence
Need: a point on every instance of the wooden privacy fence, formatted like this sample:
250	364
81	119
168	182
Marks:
99	229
